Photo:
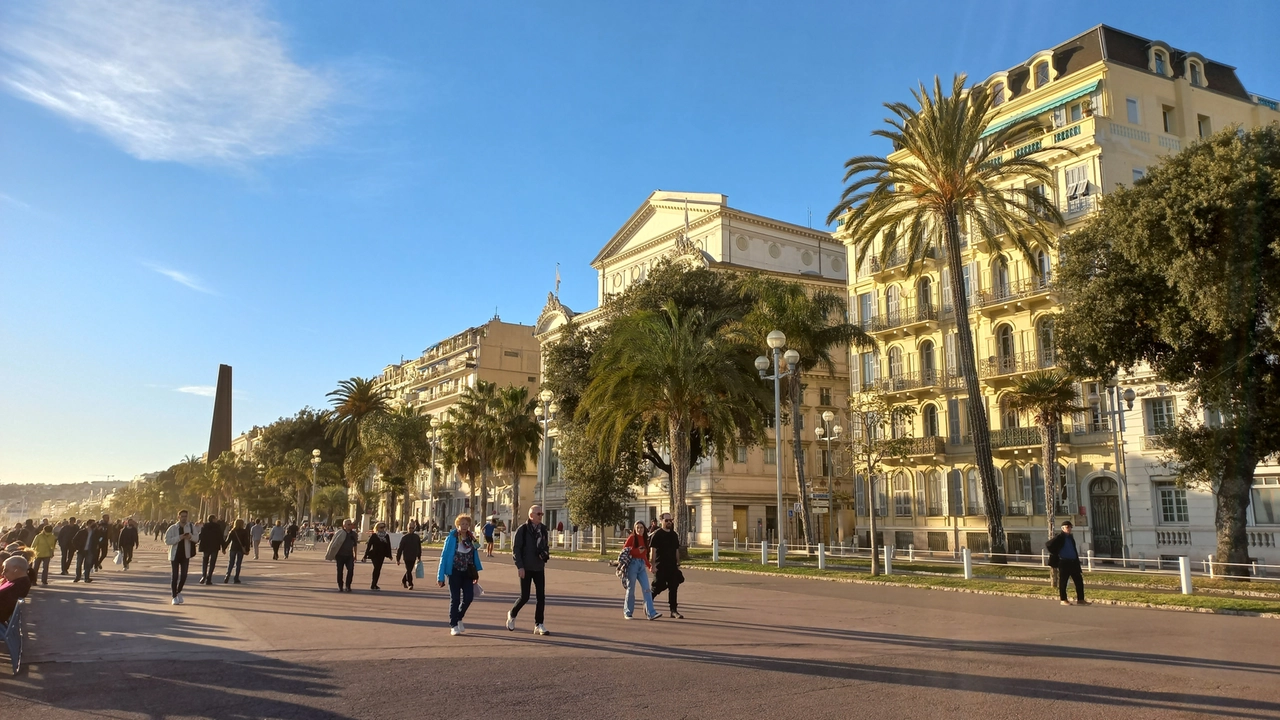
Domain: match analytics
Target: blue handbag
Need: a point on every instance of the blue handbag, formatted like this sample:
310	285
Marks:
419	571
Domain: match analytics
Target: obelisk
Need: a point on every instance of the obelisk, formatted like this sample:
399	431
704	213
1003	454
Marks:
220	434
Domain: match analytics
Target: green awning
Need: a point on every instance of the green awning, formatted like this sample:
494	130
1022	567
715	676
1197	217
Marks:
1042	107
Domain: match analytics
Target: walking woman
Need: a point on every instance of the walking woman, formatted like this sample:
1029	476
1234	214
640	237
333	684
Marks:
638	571
237	546
277	539
460	563
377	549
410	551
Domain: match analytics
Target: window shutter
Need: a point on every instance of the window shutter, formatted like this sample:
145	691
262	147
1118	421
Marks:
1060	116
946	289
946	496
1026	488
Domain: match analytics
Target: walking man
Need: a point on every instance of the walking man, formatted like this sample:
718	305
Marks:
410	550
104	527
87	543
66	541
210	545
342	550
530	548
256	532
1064	555
128	541
180	537
488	536
290	537
664	543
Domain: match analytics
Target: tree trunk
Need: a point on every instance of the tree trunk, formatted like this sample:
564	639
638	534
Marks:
797	452
515	500
1230	516
679	439
871	521
1049	453
484	495
979	428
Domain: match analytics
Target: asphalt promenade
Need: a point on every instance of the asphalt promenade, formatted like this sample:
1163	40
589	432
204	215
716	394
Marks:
286	644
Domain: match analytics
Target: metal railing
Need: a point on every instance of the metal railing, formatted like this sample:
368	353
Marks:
1012	363
905	313
1016	437
1015	290
1153	442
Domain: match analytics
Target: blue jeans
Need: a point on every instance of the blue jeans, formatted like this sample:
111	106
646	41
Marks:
459	585
638	574
235	559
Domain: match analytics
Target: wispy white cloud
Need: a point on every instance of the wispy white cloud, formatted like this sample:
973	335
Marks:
191	82
182	278
201	390
11	200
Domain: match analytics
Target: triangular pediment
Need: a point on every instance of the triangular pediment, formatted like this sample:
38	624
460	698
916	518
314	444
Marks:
662	214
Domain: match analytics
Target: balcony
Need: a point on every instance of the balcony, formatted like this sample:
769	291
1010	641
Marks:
1173	538
1014	293
1152	443
898	260
905	314
928	446
1079	206
1015	363
903	382
1016	437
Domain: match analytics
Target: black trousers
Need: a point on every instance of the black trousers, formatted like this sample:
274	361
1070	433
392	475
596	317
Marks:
208	564
1070	569
349	563
179	579
377	571
67	556
663	582
127	552
409	565
102	555
275	549
84	563
538	580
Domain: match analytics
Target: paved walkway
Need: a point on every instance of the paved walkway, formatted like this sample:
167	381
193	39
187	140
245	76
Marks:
287	644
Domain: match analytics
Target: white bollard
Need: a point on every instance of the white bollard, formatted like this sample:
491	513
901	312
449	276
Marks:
782	552
1211	574
715	550
1184	572
968	563
822	556
764	552
888	559
1090	559
1044	558
911	552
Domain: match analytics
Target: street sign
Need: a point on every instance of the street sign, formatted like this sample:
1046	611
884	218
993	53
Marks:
791	514
821	510
798	508
820	496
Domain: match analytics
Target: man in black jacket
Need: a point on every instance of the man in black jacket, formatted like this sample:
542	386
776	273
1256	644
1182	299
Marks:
128	541
211	536
411	550
664	543
88	542
66	541
1064	555
531	550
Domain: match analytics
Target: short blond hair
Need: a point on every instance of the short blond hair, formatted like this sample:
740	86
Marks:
461	517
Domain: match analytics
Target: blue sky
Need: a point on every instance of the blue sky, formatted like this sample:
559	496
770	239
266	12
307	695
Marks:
309	190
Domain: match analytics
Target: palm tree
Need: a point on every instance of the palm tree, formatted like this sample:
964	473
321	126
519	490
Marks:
814	323
397	444
331	500
355	399
474	415
1048	395
673	372
519	438
948	175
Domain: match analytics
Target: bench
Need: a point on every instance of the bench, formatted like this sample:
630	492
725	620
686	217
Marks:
13	633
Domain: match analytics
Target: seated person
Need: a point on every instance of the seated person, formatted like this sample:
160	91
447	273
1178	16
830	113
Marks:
14	585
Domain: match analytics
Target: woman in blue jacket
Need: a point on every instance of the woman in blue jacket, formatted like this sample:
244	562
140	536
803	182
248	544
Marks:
460	563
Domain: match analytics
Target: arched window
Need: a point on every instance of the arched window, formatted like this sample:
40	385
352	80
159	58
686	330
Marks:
1042	74
997	94
1008	416
935	492
901	495
929	420
1197	75
1160	62
1000	279
1037	490
928	364
924	298
1004	345
1046	346
955	493
973	496
1046	268
895	363
893	305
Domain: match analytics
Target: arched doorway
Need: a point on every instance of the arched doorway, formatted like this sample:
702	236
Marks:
1104	517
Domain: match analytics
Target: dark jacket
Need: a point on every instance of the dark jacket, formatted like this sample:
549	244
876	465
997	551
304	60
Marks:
10	594
93	539
665	552
210	537
27	534
238	540
410	548
67	535
375	547
1054	546
128	537
530	548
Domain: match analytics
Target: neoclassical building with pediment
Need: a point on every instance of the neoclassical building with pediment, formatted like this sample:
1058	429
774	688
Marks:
737	499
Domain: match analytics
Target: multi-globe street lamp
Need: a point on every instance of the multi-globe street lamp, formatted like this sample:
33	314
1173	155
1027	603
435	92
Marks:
315	480
829	432
776	340
1116	416
433	436
545	412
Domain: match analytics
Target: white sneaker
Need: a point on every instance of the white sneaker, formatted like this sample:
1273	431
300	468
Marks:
175	601
539	629
455	630
179	598
511	622
461	628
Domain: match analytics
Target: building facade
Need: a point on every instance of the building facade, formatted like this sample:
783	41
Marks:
1111	104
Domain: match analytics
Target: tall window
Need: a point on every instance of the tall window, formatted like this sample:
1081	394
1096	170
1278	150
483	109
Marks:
1037	490
973	496
935	492
895	363
869	368
901	495
1196	78
1004	341
1173	503
929	420
955	493
865	309
997	94
1042	74
1160	64
740	453
824	396
924	294
1000	279
1046	347
1046	268
928	368
771	456
1202	126
893	303
1166	118
1159	415
1266	500
1131	106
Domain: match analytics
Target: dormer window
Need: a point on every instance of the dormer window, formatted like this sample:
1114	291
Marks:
1160	63
997	94
1197	78
1042	74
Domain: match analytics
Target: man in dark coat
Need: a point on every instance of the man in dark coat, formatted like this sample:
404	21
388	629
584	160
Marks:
664	544
128	540
1064	555
210	544
66	538
88	542
410	550
530	548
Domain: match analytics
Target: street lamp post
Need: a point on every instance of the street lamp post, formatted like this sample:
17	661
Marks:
1116	415
544	412
434	437
829	432
315	480
776	340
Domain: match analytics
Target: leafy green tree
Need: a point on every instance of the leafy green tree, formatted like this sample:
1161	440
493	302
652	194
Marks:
396	442
1181	272
291	476
306	430
880	430
948	176
332	501
599	489
518	439
815	325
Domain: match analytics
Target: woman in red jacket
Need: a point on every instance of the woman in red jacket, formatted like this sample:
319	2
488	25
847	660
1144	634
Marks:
638	571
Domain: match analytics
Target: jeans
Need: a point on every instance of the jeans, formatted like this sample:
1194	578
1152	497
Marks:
539	582
638	574
234	559
377	571
459	584
208	565
348	562
275	549
127	553
179	579
1070	569
84	563
42	563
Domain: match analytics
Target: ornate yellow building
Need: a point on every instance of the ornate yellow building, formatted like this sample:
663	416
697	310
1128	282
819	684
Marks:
1120	102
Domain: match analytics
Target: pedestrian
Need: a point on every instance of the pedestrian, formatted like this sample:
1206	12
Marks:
1065	556
237	546
88	542
410	550
637	545
15	583
664	549
66	540
342	549
277	539
104	527
210	545
488	536
128	540
377	549
256	532
530	549
290	537
44	543
180	537
28	532
460	563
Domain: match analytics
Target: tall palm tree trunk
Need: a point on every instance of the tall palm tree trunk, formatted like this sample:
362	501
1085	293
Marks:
871	521
678	432
484	496
797	452
979	427
515	499
1049	452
